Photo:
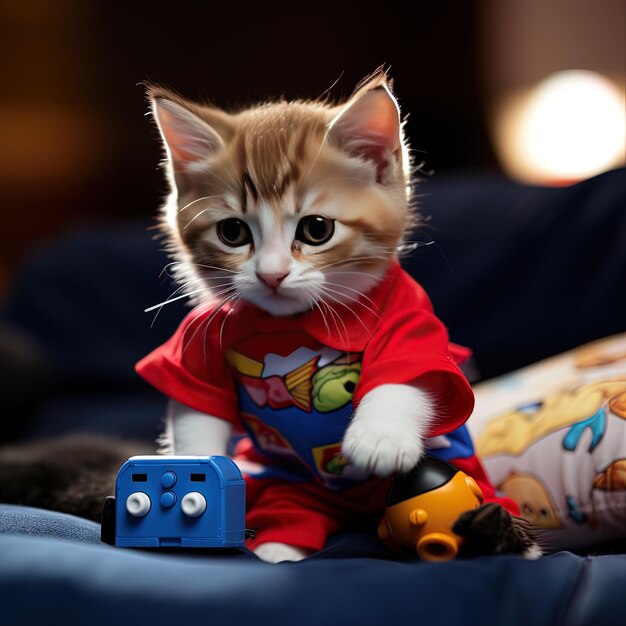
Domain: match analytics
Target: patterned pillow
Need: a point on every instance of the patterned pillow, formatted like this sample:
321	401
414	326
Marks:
552	436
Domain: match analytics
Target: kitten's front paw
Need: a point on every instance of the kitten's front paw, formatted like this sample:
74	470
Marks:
387	431
491	529
381	452
274	552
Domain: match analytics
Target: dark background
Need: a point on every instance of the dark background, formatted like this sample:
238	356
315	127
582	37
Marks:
76	145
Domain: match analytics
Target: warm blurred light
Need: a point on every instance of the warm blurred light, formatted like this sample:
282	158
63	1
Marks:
570	126
45	149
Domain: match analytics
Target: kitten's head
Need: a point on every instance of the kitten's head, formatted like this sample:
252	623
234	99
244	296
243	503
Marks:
288	205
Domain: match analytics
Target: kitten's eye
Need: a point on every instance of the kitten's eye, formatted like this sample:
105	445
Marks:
234	232
315	230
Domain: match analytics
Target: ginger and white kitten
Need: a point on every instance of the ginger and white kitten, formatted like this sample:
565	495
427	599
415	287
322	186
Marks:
290	206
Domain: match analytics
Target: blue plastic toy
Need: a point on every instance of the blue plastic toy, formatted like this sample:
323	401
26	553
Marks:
176	501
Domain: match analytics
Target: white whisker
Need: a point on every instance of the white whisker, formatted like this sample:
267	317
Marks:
188	263
214	267
335	316
348	261
198	312
312	302
411	246
357	300
214	315
194	280
316	304
207	321
326	291
317	156
220	308
170	300
234	312
195	217
197	200
354	273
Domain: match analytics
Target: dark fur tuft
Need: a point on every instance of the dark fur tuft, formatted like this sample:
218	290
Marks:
491	529
72	475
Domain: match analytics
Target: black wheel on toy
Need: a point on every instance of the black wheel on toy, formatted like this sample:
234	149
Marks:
107	529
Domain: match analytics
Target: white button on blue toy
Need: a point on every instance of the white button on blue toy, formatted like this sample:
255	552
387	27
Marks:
138	504
193	504
168	499
168	480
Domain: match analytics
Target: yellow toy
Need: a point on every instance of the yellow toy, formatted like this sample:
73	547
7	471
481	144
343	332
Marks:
423	506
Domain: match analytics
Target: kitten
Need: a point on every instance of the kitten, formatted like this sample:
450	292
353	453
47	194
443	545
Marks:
293	209
285	214
269	206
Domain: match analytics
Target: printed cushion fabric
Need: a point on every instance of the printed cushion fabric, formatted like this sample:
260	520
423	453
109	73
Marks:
552	437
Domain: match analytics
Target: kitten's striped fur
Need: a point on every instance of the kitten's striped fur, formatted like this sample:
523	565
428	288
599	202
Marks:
272	164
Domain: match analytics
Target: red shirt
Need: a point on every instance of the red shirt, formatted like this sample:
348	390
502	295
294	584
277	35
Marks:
293	382
394	331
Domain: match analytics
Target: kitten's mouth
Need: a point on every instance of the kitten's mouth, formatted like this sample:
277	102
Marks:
278	301
281	295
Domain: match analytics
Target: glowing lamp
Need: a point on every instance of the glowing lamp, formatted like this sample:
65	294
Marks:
567	128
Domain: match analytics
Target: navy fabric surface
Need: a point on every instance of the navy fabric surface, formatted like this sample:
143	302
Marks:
82	299
520	273
130	413
76	581
25	520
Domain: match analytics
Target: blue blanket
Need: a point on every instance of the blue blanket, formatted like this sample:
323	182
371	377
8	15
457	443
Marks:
54	570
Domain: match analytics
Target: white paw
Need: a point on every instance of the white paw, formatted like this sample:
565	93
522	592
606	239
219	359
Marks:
386	434
381	453
274	552
533	553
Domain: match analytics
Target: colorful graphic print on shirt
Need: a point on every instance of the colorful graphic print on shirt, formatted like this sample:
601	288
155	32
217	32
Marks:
297	405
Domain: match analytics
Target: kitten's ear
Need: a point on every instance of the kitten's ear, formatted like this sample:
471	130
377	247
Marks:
369	126
190	134
188	139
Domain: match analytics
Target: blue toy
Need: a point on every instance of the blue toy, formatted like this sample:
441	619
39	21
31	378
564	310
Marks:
176	501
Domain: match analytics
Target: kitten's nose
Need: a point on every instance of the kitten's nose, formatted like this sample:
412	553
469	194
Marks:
272	279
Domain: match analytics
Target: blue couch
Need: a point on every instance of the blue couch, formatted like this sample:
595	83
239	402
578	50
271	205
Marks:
516	272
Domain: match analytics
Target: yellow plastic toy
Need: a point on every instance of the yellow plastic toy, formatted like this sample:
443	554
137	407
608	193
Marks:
422	508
